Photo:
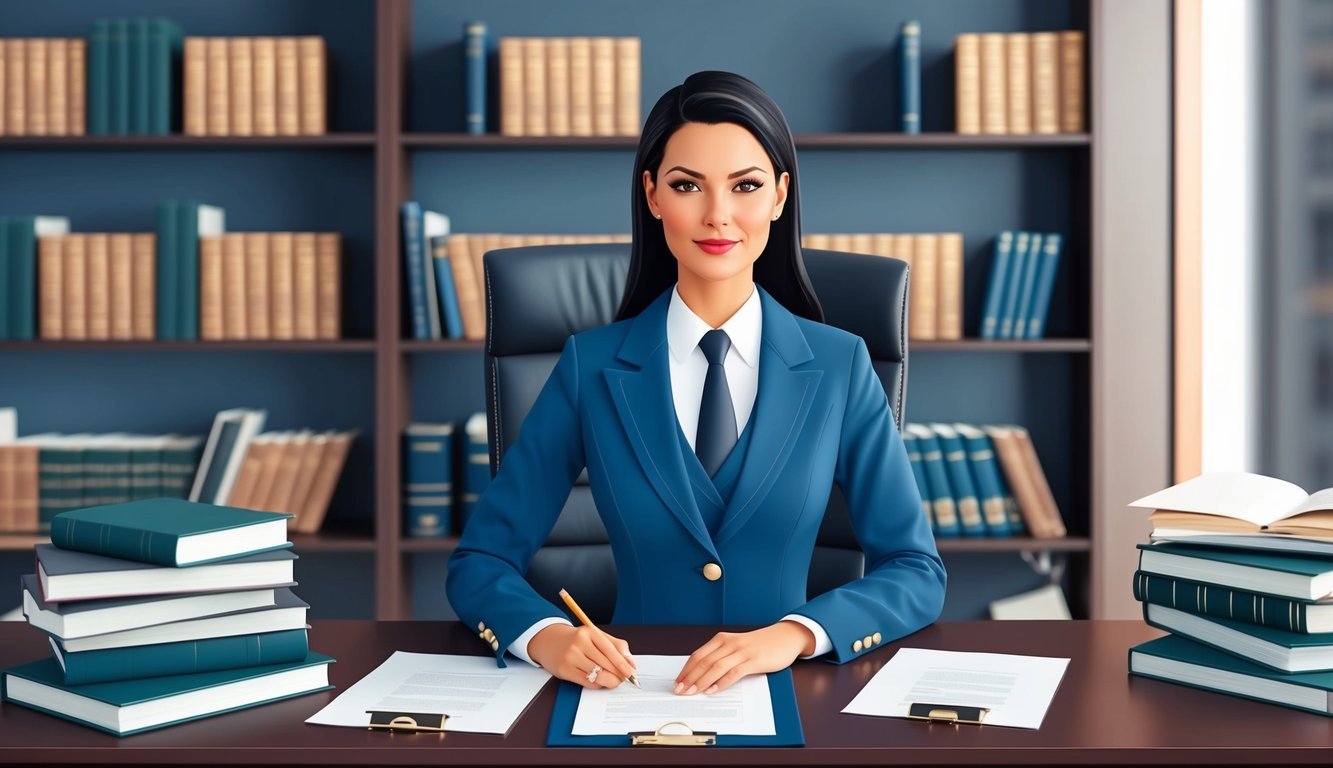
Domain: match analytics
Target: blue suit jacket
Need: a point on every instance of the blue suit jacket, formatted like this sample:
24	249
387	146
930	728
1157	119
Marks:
820	416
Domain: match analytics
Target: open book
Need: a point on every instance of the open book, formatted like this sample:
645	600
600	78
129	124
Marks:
1238	503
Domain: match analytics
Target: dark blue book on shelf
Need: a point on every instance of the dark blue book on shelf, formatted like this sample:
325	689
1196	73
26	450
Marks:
478	474
119	101
999	269
22	233
1013	280
1041	298
138	77
474	75
919	472
450	313
414	278
168	223
937	476
99	74
986	472
433	226
186	657
960	480
1030	268
909	65
428	470
164	44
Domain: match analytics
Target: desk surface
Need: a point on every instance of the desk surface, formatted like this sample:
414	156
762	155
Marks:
1100	714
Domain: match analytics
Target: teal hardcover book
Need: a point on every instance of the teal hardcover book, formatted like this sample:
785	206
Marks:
1013	283
1290	614
168	327
1272	648
941	490
99	78
187	269
960	480
995	285
1027	286
184	658
1041	299
119	101
22	277
1288	575
127	707
990	489
138	30
170	532
4	276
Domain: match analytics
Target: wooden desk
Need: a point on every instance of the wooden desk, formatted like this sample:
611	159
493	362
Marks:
1100	714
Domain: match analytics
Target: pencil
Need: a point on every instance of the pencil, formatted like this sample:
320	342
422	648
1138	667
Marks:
587	622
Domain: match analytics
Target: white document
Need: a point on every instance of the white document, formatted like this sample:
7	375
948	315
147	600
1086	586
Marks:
477	696
745	708
1017	689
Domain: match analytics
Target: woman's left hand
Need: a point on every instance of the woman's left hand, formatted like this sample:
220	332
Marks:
729	656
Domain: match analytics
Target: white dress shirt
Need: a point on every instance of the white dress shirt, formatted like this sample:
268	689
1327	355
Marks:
689	368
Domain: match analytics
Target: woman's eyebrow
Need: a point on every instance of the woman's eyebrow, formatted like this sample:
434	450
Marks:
701	177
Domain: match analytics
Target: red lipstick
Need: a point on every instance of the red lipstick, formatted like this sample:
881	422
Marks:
716	247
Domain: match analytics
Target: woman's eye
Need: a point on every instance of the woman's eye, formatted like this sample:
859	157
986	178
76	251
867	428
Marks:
752	184
681	186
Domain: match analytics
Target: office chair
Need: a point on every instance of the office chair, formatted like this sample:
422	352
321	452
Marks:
537	296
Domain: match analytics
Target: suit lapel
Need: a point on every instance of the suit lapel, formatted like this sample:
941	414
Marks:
783	402
645	406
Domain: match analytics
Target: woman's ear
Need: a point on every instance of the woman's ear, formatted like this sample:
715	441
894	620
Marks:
650	194
781	189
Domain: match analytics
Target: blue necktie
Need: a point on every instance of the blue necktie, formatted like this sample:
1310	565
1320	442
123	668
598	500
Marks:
716	435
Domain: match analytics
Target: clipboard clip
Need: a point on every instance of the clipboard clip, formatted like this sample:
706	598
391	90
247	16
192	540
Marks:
947	713
690	738
428	722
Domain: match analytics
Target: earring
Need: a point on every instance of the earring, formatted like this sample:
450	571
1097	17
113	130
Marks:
657	215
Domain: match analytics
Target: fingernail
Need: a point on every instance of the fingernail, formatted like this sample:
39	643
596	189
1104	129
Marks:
692	690
679	687
711	689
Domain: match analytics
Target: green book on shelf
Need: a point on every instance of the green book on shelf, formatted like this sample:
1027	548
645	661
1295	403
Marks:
119	101
1287	575
1273	648
99	78
170	532
132	706
138	46
188	657
166	287
194	220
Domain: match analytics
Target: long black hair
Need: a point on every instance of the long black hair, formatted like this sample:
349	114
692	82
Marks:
718	97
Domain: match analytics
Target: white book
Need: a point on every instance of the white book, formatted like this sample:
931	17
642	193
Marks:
1241	503
287	612
224	453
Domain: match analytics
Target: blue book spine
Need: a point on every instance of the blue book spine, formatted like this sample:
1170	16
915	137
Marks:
187	270
23	278
99	85
167	270
474	71
185	658
414	248
444	285
981	459
1041	299
428	493
919	472
960	479
478	473
119	99
999	267
1013	279
158	74
5	279
942	503
909	53
141	31
1030	269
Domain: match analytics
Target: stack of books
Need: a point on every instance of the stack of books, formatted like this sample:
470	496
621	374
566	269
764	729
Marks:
437	502
164	611
1240	572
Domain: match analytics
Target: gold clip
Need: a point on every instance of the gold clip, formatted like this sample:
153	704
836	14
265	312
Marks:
947	713
690	738
430	722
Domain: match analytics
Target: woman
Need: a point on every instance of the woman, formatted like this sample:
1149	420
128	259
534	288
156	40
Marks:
712	418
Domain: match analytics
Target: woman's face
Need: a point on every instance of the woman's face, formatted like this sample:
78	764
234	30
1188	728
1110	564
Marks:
717	197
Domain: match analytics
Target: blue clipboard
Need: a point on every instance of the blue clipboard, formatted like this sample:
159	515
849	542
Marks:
786	719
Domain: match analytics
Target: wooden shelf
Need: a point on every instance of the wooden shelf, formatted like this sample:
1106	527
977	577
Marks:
1014	544
345	345
177	141
982	345
446	544
332	541
803	141
442	345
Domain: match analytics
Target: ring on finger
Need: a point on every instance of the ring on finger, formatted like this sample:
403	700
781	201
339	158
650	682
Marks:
592	676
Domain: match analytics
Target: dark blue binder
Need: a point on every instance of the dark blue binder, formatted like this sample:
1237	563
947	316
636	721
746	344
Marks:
786	719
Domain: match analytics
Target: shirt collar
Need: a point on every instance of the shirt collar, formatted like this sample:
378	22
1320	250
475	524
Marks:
745	328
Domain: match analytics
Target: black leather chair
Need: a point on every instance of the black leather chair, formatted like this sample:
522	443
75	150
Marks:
537	296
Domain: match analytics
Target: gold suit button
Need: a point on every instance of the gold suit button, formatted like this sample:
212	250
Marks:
712	571
481	626
867	642
495	645
856	647
488	635
877	638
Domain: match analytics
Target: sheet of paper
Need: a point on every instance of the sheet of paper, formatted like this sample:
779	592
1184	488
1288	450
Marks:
477	696
1017	689
745	708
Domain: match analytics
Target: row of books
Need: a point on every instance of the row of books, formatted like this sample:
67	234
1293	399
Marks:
97	285
131	75
1019	83
1239	571
18	271
43	82
560	86
140	641
255	86
45	474
981	481
435	505
935	291
1022	278
270	285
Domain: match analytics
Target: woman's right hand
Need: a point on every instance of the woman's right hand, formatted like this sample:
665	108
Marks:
570	653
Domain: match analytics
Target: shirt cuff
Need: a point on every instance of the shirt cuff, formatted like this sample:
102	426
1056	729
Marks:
520	646
823	644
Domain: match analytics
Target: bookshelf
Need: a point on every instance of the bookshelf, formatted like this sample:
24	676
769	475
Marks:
397	136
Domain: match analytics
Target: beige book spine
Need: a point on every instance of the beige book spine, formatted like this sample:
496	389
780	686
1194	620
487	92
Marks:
1071	81
218	71
304	281
510	241
265	86
534	87
210	289
258	323
326	480
994	111
840	241
8	501
99	288
289	465
75	257
511	86
27	491
16	91
271	457
240	78
1016	49
950	286
603	86
580	86
36	87
57	90
194	76
967	83
883	244
1045	82
863	243
821	241
78	86
1055	525
121	254
1012	463
50	291
144	279
235	314
628	68
289	90
311	458
557	86
328	281
282	299
314	86
247	477
902	251
4	83
465	283
924	289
